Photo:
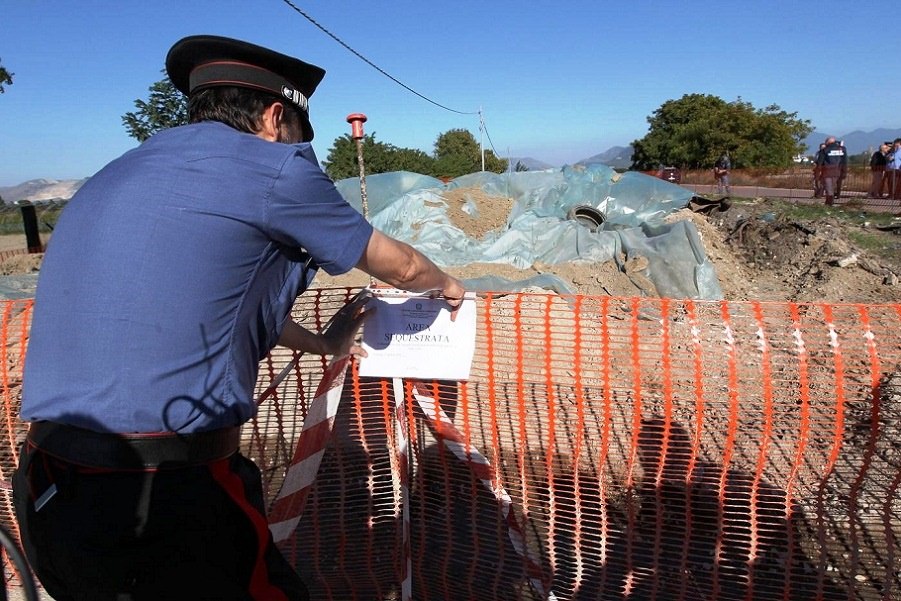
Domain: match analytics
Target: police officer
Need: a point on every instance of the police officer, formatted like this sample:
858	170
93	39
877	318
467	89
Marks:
172	273
832	164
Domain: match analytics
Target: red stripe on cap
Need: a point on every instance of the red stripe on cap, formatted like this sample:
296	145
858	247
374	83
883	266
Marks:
245	75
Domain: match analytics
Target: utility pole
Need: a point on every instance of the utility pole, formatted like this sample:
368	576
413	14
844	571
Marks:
481	136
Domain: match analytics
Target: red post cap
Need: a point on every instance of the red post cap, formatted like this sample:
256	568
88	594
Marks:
357	120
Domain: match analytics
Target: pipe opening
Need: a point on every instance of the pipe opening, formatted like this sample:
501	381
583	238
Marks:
586	215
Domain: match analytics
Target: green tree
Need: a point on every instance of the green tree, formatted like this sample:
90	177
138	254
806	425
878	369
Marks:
457	153
166	107
413	159
378	157
693	131
6	78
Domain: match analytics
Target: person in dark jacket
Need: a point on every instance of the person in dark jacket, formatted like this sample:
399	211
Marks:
832	162
877	170
721	169
817	173
840	180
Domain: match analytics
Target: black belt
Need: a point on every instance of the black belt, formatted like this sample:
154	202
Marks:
132	451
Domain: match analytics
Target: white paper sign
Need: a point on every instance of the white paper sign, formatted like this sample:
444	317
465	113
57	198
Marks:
412	336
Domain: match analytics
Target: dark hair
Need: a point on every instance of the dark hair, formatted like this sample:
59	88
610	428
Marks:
240	108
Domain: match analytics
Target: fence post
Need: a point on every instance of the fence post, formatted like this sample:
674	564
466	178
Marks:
30	221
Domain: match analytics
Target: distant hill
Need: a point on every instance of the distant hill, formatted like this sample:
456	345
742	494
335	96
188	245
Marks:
856	141
529	163
41	190
618	157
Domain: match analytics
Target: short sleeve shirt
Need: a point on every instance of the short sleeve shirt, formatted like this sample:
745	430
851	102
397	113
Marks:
895	162
170	275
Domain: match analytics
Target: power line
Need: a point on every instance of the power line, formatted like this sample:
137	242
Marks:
370	63
485	129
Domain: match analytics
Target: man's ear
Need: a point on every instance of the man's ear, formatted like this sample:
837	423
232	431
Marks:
271	120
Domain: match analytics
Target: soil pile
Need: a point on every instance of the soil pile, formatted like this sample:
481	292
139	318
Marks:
757	253
757	256
803	260
476	212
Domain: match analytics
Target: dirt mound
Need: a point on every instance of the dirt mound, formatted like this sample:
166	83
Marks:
476	212
15	264
802	260
758	254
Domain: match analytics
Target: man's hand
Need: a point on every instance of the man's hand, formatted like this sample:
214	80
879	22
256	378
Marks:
340	333
453	292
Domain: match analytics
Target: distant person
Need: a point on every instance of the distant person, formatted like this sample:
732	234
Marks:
893	166
172	274
840	180
721	170
818	173
886	189
832	161
878	161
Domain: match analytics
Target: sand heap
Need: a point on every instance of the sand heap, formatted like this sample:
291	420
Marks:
757	255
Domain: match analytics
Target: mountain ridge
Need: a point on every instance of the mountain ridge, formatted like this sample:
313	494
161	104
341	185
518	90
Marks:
857	141
617	157
41	190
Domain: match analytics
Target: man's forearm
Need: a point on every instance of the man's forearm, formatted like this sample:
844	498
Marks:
297	338
402	266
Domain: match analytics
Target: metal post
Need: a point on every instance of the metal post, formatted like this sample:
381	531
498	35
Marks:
30	221
356	121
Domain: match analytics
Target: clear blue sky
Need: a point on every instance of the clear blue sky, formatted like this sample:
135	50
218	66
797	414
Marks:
555	81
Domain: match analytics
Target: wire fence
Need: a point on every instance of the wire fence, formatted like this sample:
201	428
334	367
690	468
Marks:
603	448
860	186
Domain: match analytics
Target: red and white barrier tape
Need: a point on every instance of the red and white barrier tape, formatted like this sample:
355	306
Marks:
289	504
448	435
317	428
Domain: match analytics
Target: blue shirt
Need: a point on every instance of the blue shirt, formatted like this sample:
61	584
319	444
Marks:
894	163
169	276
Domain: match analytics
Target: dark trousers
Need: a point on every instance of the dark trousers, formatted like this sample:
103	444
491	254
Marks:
875	190
189	532
829	183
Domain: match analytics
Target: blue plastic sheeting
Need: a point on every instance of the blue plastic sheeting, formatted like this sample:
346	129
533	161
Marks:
384	188
16	287
410	207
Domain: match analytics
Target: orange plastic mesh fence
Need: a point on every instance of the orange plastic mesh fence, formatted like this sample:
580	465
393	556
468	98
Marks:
15	319
603	448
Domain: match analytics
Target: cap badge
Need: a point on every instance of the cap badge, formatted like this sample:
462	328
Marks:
296	97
